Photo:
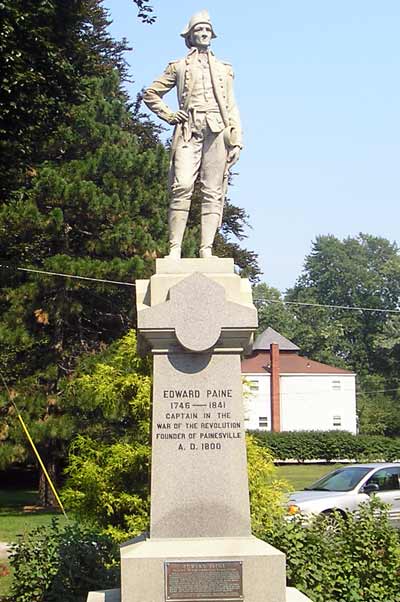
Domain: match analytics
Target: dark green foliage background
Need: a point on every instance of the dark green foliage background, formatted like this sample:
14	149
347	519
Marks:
358	272
83	190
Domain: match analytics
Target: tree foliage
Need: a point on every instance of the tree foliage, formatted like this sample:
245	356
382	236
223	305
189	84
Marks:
47	47
97	208
358	272
108	465
84	192
83	185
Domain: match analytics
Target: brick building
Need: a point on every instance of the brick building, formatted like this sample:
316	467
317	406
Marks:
285	391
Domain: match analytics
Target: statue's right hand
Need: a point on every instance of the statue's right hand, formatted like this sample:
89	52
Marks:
179	117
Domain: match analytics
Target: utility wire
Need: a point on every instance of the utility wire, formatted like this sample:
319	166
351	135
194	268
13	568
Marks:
264	301
358	391
348	307
34	271
254	394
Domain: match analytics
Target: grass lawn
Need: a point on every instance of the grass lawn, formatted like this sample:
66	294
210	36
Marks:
15	520
14	523
302	475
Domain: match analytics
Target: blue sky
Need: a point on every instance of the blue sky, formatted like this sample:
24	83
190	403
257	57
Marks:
318	87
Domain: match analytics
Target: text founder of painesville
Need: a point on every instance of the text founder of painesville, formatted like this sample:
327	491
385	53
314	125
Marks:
207	137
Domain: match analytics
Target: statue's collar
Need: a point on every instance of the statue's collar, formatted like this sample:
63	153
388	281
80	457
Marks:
194	51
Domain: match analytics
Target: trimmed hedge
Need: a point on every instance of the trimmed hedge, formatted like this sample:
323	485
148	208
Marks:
329	446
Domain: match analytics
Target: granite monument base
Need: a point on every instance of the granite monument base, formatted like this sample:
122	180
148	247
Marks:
144	567
196	317
114	595
260	570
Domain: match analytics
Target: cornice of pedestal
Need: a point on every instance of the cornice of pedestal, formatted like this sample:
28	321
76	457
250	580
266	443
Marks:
198	311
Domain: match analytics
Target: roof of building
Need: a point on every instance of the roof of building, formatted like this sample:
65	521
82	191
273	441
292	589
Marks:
264	340
289	363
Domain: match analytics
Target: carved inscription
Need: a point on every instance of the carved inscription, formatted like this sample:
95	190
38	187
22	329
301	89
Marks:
198	420
192	581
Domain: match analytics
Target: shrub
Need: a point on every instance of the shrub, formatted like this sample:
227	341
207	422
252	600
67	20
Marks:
329	445
107	486
53	564
265	490
358	561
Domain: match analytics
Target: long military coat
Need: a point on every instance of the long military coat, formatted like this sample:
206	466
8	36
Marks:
180	75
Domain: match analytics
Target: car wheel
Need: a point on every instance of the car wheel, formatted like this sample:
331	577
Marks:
332	520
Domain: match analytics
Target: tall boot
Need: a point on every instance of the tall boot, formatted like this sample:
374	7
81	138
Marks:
209	225
177	224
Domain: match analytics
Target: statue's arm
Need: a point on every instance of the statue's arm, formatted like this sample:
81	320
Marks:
154	93
233	111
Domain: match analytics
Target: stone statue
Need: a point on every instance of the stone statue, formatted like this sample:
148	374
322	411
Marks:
207	135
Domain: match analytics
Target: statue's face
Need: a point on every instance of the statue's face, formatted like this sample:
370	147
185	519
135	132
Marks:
200	36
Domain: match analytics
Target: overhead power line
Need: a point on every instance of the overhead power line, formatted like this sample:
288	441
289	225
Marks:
329	306
264	301
75	276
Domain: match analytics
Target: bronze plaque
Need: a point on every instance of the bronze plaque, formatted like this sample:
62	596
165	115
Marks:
197	580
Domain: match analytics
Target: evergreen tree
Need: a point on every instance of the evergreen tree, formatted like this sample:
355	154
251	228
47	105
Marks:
84	192
96	208
46	48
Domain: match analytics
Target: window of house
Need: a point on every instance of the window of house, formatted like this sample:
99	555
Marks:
254	386
336	385
337	421
263	422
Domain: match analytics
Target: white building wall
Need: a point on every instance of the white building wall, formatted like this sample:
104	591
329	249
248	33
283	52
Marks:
257	404
318	402
308	402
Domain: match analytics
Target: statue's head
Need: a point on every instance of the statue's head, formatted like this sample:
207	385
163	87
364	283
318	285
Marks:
199	31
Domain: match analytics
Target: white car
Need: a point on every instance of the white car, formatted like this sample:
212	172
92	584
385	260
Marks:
344	489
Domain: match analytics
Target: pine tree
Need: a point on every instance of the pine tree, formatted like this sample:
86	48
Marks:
96	208
84	192
47	47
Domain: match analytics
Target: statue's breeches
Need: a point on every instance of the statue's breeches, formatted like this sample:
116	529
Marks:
204	154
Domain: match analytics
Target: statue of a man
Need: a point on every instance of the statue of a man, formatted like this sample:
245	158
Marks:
207	135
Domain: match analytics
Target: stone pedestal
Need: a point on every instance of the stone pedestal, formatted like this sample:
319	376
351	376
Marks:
144	577
196	317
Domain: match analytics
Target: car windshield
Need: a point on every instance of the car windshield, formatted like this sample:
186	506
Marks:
342	479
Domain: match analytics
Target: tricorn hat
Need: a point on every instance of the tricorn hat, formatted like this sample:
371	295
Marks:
200	17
